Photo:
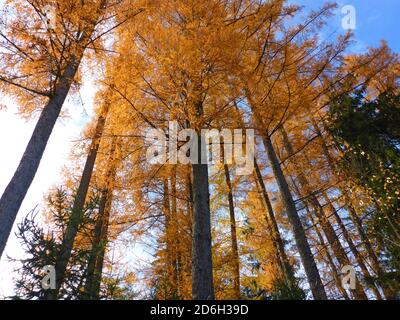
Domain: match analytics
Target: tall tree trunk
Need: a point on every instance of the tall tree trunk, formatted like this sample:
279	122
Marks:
331	263
234	244
90	269
352	246
388	292
175	234
330	234
310	267
202	271
170	290
306	256
98	274
100	239
95	267
77	209
17	188
170	239
276	236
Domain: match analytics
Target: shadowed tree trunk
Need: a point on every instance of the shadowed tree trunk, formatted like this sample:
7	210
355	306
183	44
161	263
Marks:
388	292
77	209
95	266
331	263
306	256
330	234
202	272
175	234
352	246
310	267
172	291
276	236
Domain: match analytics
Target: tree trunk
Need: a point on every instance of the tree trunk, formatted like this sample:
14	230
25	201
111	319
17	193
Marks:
357	223
202	271
175	234
90	269
106	211
77	209
330	234
306	256
303	246
276	236
170	239
331	263
95	266
234	244
17	188
96	260
352	246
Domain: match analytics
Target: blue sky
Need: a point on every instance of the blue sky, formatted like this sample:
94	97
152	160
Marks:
376	20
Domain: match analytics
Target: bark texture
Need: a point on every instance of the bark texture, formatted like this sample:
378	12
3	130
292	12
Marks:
202	272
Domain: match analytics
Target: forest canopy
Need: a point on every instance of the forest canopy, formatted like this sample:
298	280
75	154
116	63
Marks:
275	152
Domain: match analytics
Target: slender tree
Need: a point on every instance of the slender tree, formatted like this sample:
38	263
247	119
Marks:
63	45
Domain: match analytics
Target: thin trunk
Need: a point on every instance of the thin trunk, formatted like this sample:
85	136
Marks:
77	209
170	291
171	237
17	188
90	269
352	246
202	271
306	256
105	210
234	244
331	263
276	236
330	234
310	267
100	239
176	238
357	223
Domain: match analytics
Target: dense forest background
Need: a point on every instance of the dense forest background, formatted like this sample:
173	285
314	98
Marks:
321	200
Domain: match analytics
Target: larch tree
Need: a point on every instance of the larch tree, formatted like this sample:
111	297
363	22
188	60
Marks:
43	45
322	193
